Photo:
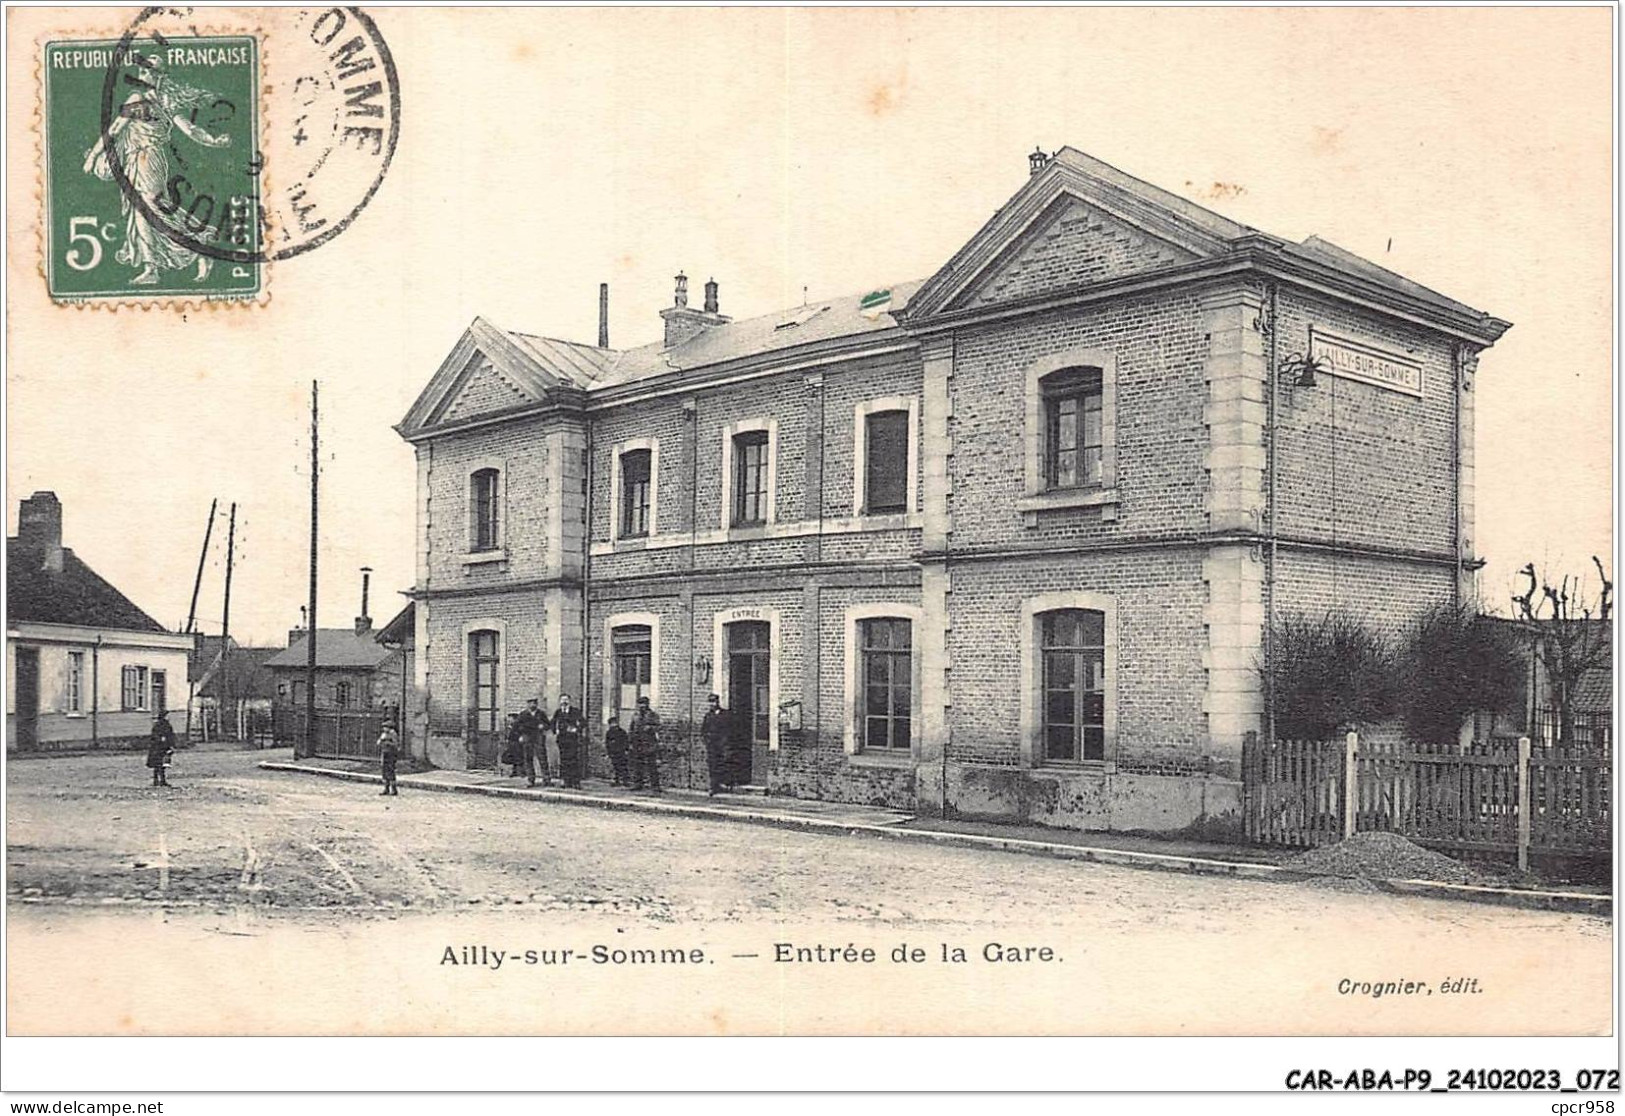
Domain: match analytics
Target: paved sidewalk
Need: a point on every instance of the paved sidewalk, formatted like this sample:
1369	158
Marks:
842	818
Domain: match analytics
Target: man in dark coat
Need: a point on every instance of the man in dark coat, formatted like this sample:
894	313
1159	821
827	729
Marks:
569	726
645	747
616	745
532	721
160	747
714	731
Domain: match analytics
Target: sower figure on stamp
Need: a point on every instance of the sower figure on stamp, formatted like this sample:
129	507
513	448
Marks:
569	726
140	135
389	751
616	745
714	731
160	749
533	749
645	747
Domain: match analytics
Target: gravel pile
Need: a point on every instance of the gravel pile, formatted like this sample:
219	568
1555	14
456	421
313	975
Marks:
1381	856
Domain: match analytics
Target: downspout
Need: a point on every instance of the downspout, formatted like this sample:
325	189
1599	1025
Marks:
95	692
1270	509
586	556
1455	496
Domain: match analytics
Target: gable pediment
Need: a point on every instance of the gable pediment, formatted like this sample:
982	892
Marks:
1076	223
1071	244
485	374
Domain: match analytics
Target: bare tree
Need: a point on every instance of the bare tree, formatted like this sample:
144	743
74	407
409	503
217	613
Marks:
1568	633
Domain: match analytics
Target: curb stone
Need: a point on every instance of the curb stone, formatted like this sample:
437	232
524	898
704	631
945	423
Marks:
1566	901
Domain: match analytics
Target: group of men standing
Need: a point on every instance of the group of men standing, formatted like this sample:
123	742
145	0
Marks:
634	752
527	751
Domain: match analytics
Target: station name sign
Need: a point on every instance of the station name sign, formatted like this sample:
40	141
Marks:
1354	360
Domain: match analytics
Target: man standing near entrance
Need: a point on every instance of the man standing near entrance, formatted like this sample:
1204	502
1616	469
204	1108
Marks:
530	725
569	726
714	731
645	747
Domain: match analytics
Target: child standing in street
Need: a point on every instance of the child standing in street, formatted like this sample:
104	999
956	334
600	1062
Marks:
389	749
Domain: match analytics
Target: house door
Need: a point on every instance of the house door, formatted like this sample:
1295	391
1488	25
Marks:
160	693
27	695
749	660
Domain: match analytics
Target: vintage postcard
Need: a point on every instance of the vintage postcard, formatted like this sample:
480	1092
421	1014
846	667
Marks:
1087	522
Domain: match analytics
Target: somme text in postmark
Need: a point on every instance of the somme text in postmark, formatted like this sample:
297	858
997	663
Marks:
179	154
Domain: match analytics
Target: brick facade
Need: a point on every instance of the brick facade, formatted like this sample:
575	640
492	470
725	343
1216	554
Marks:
1223	492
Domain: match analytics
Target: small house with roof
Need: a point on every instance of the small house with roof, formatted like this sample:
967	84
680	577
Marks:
354	671
85	666
1005	542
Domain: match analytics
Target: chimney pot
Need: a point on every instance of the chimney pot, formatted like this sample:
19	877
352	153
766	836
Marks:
363	622
603	315
682	291
711	296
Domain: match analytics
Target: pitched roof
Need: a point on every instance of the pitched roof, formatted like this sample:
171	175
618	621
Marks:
335	647
75	594
402	628
250	675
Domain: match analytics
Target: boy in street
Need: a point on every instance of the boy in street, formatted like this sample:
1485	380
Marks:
389	750
615	744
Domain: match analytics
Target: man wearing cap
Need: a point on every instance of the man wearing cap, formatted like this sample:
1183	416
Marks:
714	731
645	736
532	749
568	727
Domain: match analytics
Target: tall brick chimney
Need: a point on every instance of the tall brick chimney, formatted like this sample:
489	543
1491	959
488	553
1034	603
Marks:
682	322
39	529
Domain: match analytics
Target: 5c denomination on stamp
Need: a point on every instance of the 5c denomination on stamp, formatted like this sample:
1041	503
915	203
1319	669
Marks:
156	199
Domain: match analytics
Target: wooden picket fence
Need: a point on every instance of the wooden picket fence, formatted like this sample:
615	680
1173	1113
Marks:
1499	796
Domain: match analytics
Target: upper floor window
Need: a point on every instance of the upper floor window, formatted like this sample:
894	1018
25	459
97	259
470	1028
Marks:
635	485
750	495
484	497
885	463
1072	643
1073	428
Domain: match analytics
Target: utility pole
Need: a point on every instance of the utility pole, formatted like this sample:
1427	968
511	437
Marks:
225	631
191	618
310	630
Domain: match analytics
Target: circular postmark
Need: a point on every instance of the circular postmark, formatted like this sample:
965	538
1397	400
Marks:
209	175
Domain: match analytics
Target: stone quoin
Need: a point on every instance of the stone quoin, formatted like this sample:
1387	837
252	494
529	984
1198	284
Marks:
1003	543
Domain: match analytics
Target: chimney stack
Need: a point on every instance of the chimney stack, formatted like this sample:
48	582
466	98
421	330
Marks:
39	529
682	322
363	623
1036	162
603	315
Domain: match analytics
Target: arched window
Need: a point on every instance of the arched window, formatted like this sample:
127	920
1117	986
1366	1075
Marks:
1073	428
485	504
1072	645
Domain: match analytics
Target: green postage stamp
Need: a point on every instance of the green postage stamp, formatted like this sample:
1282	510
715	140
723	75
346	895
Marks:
152	169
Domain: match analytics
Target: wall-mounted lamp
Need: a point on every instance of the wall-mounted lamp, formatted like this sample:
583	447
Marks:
1303	369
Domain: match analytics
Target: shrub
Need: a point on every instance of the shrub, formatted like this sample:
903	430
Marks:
1328	675
1455	662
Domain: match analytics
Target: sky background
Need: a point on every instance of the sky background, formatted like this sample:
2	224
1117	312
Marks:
543	152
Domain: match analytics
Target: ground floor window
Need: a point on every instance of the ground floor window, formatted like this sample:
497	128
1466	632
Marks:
133	688
341	694
76	682
633	648
484	654
1073	649
886	645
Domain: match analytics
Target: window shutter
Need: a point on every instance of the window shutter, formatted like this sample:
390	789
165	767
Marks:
886	464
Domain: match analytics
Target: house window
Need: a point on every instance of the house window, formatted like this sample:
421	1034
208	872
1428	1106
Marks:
341	694
299	694
750	478
1073	430
886	451
1072	645
635	483
886	648
76	681
133	688
484	661
633	650
483	495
